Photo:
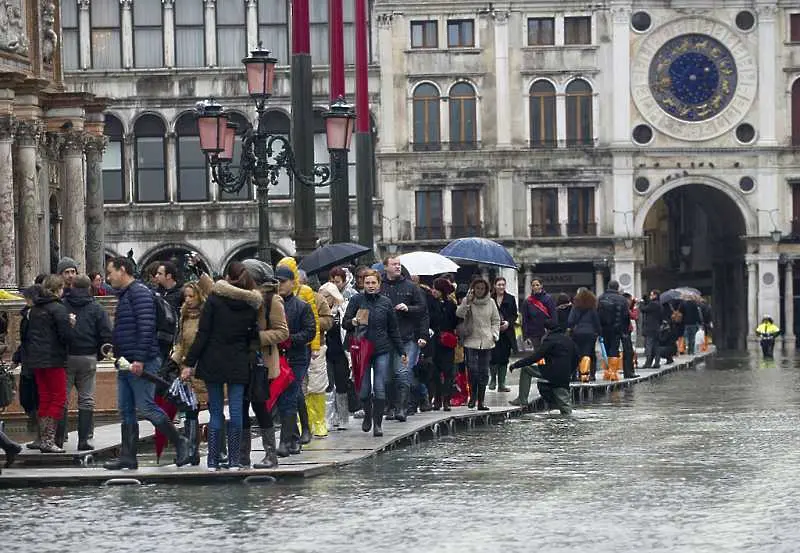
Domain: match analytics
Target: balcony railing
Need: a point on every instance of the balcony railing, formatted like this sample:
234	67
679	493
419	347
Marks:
582	229
455	146
426	146
429	233
464	231
551	229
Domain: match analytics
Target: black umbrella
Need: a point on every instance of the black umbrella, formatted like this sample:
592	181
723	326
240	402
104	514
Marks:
331	255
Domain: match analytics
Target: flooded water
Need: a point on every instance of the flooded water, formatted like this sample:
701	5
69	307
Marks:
701	461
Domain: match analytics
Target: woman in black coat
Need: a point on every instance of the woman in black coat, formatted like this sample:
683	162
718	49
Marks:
442	311
507	306
221	352
584	323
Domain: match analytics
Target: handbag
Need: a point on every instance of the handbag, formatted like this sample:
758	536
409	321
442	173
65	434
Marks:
464	328
7	385
278	385
258	386
448	339
361	351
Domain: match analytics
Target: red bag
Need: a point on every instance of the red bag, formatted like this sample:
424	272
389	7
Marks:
448	339
361	351
278	385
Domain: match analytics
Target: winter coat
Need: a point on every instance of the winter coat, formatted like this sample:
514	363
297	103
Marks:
442	315
228	323
562	315
533	318
614	311
584	322
188	325
272	332
174	297
413	323
691	313
92	327
134	335
652	315
48	334
325	315
383	329
508	338
335	337
483	320
561	359
306	294
301	325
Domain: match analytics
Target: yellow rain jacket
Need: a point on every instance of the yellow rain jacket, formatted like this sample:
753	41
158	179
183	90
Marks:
767	329
305	293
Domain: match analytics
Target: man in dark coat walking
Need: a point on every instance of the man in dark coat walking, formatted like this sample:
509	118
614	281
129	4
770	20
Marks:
507	307
651	312
615	318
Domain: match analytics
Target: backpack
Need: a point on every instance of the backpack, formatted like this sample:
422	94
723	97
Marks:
676	316
166	320
607	310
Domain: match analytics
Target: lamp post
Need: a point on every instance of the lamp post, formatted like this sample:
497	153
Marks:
339	129
263	155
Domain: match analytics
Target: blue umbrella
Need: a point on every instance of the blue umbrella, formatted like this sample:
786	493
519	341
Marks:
479	250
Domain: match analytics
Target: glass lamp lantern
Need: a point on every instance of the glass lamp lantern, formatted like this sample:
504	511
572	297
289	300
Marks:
339	125
212	123
260	67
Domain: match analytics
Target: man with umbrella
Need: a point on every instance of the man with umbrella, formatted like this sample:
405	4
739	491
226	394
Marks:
412	315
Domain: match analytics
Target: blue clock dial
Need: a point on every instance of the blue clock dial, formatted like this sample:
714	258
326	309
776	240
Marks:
693	77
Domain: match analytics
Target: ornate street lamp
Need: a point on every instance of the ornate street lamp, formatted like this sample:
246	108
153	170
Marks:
263	155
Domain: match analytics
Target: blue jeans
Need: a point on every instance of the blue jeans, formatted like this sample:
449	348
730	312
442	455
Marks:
379	367
135	394
216	404
402	374
287	402
689	332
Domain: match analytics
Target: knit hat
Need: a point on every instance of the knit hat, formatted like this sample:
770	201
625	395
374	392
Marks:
330	289
64	264
260	271
444	286
284	273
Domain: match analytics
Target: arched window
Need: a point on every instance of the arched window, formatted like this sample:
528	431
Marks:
113	181
579	113
191	162
426	118
796	113
151	184
463	124
543	114
242	126
278	123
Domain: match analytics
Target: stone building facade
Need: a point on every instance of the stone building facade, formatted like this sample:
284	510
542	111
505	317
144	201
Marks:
46	137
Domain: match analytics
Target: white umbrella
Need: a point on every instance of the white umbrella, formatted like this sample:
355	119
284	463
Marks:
427	263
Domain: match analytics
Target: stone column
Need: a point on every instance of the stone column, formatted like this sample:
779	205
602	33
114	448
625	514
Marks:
172	167
528	280
788	301
85	33
29	133
211	32
73	242
387	106
637	280
769	292
621	70
129	168
752	298
768	36
127	33
169	32
252	24
8	247
502	86
95	230
505	203
599	279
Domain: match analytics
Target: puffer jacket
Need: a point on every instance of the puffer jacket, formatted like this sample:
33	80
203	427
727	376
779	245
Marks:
306	294
300	320
134	335
483	319
47	335
413	323
92	327
228	324
382	330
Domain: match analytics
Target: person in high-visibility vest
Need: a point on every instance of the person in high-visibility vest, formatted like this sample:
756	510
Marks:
767	331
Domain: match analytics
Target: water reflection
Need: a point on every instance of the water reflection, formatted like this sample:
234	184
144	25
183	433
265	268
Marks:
703	460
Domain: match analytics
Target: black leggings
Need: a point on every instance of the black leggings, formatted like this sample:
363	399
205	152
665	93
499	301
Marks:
263	416
443	373
341	373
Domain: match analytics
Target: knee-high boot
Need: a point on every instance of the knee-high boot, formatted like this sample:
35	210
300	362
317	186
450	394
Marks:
502	370
61	430
192	433
493	376
377	417
214	442
270	459
482	397
342	410
85	429
305	426
524	389
366	424
11	448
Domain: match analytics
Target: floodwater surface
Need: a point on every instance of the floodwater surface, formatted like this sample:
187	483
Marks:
703	460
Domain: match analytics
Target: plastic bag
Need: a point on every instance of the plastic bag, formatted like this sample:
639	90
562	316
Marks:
700	340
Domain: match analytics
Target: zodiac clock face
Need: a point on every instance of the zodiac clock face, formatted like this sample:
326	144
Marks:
693	79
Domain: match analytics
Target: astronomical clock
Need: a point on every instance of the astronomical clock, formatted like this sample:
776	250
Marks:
693	79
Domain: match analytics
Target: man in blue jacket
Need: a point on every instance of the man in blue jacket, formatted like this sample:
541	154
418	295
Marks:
134	338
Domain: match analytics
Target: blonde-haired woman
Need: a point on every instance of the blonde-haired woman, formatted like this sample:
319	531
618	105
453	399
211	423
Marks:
482	322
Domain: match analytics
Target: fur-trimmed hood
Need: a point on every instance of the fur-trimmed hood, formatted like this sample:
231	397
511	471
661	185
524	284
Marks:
224	289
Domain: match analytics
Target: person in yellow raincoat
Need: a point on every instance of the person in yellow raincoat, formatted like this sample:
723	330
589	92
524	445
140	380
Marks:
767	331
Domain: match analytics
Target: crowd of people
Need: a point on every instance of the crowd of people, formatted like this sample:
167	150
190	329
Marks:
384	343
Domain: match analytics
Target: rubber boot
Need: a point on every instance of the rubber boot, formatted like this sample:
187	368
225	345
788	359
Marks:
315	404
377	417
473	391
493	377
295	447
402	403
191	429
342	410
366	424
127	449
270	459
302	413
47	435
244	449
60	436
482	397
33	428
11	448
524	389
180	443
85	429
286	438
214	441
502	370
235	448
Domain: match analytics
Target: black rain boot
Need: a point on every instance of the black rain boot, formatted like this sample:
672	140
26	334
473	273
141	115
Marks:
473	392
244	447
85	429
482	397
61	431
286	438
402	403
180	443
270	460
33	428
425	404
214	440
11	448
302	413
446	404
235	448
366	424
127	450
191	429
377	417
